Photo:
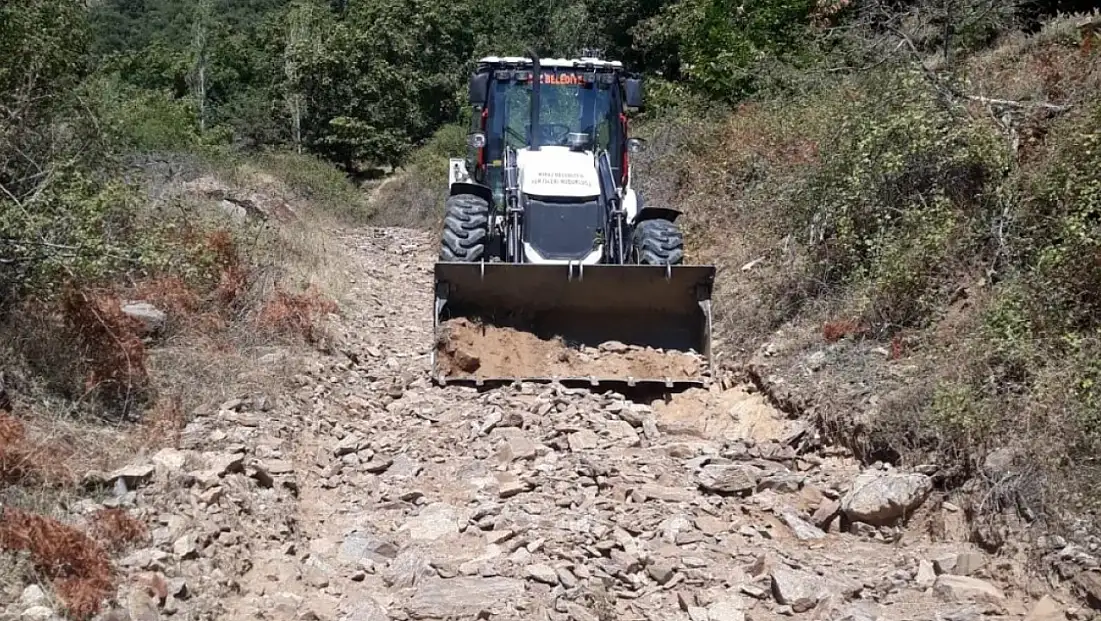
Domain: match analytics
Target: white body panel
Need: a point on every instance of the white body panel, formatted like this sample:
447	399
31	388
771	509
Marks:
630	204
456	171
558	171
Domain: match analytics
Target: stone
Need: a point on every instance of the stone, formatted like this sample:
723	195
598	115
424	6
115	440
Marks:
33	595
1090	583
825	513
945	564
925	575
711	526
185	547
583	440
803	590
436	521
803	530
408	569
728	479
961	589
132	476
881	498
37	613
859	611
511	485
149	317
781	483
666	494
226	463
729	609
661	570
278	466
697	613
566	577
518	445
1047	609
141	606
347	445
463	597
377	465
797	589
366	609
542	573
968	563
170	460
614	347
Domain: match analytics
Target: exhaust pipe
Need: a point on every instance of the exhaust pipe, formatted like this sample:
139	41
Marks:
537	80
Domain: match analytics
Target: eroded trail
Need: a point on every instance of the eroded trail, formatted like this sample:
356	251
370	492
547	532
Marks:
366	493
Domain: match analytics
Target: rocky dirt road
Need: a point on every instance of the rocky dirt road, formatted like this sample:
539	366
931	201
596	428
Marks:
364	493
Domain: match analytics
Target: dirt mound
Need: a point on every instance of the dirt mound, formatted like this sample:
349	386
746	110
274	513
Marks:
474	350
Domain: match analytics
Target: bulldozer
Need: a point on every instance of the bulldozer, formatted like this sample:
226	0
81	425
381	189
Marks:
544	232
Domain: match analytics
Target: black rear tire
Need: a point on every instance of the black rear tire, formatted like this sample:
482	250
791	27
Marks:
465	228
658	242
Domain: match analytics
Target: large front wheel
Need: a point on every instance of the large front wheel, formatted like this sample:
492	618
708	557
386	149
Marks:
465	229
657	242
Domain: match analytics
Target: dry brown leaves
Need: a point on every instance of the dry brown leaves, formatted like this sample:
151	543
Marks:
108	343
296	314
77	564
26	461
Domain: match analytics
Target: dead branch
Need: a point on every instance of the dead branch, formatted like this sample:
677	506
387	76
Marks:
1008	103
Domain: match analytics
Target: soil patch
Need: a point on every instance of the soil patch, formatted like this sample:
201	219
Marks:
723	416
474	350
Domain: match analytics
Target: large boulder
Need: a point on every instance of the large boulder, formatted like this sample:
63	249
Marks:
880	498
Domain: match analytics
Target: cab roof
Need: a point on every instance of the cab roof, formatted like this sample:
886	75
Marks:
568	63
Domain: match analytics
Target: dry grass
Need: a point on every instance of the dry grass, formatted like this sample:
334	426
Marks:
414	196
296	315
117	529
78	566
25	460
108	345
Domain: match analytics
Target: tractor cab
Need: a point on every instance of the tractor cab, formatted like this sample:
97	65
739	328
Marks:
577	111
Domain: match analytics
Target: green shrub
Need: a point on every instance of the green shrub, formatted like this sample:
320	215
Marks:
1059	237
905	186
77	228
142	120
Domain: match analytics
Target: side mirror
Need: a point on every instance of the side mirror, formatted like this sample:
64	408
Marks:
476	140
632	93
478	89
636	145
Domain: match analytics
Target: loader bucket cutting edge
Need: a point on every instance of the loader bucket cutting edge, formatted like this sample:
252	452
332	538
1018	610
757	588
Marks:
666	307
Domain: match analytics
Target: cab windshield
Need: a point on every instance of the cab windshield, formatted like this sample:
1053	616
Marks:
566	105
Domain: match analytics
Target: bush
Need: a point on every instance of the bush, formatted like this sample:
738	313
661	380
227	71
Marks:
77	564
76	227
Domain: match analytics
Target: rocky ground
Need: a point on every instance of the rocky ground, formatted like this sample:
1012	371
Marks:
364	493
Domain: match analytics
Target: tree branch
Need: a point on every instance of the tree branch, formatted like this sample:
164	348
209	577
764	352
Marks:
990	101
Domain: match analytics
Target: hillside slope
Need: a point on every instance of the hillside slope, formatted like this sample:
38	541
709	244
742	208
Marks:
907	257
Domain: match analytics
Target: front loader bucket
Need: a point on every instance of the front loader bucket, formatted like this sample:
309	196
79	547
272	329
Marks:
506	322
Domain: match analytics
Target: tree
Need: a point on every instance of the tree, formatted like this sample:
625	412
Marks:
200	53
720	44
302	47
388	75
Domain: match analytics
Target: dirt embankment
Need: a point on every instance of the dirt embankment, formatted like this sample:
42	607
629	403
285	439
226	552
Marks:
478	351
